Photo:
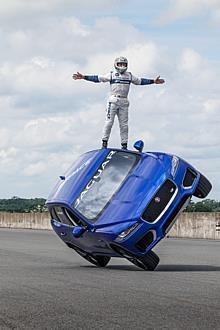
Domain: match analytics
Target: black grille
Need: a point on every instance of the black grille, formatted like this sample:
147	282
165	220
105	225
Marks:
145	241
65	216
189	178
159	201
173	215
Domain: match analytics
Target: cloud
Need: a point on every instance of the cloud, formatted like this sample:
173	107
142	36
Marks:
8	161
4	137
35	169
48	120
22	8
181	9
215	16
195	71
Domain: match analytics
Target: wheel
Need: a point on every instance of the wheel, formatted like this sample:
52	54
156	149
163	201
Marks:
99	261
203	187
102	261
151	260
147	262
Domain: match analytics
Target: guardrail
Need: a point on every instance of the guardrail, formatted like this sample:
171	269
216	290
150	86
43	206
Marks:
191	225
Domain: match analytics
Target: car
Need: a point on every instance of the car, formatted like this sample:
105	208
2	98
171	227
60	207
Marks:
121	203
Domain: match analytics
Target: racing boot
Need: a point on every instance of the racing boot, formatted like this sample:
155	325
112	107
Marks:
124	146
104	144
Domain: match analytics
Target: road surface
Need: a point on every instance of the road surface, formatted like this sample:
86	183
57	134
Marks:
45	285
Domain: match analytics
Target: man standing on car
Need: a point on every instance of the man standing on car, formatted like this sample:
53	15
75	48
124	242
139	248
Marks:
118	103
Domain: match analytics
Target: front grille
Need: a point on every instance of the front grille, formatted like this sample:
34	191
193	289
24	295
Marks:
145	241
65	216
170	222
189	178
159	201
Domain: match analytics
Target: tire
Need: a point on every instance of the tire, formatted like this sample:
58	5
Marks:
99	261
102	261
151	260
147	262
203	188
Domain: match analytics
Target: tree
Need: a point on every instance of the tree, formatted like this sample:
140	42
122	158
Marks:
206	205
20	205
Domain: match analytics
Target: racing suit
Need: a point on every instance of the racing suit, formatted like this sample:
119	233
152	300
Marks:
118	102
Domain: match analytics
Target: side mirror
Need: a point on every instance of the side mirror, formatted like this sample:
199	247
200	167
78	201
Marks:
78	231
139	145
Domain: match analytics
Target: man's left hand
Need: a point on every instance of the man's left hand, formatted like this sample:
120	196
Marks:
159	81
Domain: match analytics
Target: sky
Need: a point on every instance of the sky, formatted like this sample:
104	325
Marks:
47	119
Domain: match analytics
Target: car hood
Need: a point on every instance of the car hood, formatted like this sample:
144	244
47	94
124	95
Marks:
139	187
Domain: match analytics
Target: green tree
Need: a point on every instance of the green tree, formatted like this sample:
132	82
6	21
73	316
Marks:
20	205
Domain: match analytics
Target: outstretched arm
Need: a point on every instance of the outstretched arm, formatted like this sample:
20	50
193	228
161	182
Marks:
94	78
144	81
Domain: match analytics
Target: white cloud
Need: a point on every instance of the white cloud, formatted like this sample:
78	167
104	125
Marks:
75	27
211	108
180	9
191	61
47	119
58	130
7	154
216	16
8	161
22	7
43	62
4	137
35	169
195	71
19	40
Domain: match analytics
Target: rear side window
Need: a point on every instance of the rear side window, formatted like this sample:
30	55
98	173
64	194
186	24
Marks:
104	183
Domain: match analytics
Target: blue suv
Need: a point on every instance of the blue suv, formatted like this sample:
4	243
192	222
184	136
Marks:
121	203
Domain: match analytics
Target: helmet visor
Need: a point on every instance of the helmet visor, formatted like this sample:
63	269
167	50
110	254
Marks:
122	64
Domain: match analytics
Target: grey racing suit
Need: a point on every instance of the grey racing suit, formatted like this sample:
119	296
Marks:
118	102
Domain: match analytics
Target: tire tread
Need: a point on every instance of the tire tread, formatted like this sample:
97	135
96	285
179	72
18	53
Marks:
203	188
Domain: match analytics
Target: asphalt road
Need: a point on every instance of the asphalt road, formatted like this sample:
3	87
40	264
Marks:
45	285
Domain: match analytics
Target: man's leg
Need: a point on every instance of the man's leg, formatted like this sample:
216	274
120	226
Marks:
123	124
109	121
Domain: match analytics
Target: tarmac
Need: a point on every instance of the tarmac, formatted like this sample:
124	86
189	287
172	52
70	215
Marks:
46	285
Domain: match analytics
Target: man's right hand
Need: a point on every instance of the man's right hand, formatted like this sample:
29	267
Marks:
78	75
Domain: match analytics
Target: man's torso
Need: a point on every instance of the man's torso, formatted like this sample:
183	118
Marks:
120	84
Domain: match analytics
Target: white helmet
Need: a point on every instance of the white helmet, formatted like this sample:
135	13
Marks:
121	64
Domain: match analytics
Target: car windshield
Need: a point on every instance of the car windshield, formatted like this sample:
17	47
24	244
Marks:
104	183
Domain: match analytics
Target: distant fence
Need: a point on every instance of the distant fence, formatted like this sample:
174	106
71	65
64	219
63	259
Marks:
193	225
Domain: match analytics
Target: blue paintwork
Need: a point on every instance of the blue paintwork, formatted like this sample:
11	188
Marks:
125	208
139	145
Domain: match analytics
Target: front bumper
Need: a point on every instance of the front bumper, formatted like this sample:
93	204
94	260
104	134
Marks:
149	233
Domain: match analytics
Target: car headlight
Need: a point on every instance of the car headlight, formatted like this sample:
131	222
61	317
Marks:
126	232
174	165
